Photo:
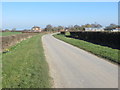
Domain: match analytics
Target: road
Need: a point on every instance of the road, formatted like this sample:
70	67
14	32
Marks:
71	67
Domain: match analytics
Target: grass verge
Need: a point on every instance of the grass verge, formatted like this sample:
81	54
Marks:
0	63
102	51
9	33
24	66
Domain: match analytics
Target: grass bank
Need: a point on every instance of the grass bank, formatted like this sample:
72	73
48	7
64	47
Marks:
24	66
9	33
102	51
0	71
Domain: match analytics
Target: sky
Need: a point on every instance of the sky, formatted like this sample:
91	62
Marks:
60	0
24	15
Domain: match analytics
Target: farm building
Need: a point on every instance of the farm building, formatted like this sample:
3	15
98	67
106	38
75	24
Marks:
94	29
36	28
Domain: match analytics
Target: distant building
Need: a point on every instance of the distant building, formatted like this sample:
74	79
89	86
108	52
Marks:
36	29
116	30
62	30
94	29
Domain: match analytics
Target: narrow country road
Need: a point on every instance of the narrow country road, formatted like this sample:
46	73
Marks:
71	67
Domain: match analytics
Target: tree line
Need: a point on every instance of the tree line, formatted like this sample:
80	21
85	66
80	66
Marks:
80	27
72	27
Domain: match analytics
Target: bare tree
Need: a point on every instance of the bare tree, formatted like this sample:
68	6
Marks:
13	30
48	28
7	30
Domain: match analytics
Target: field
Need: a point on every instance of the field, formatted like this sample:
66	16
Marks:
24	65
102	51
9	33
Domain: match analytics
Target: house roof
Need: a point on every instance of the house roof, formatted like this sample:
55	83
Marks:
36	27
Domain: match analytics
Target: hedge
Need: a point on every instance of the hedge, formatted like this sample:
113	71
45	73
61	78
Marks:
8	41
110	39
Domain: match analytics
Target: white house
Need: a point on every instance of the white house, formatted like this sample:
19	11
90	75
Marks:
94	29
36	29
116	30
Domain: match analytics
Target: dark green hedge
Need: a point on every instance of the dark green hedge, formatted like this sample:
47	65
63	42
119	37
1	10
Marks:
110	39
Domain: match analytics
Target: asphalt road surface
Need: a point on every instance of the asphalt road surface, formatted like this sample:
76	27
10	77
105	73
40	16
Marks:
71	67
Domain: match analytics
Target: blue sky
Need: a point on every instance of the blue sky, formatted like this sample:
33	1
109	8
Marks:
24	15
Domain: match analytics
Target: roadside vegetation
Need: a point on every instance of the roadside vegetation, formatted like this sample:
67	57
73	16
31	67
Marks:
24	65
9	33
102	51
0	70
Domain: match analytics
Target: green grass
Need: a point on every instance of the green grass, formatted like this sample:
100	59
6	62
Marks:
102	51
9	33
67	33
0	71
24	66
